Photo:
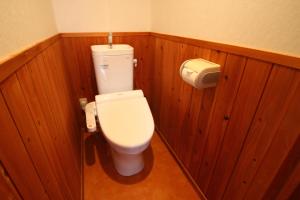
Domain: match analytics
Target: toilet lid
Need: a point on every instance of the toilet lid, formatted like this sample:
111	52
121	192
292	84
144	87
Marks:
126	122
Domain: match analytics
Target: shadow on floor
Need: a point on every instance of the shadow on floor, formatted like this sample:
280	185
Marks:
103	152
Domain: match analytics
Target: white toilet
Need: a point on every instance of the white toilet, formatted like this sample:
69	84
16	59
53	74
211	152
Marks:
124	114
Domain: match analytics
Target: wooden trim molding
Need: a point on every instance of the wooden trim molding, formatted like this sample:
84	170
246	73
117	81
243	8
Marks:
104	34
14	62
276	58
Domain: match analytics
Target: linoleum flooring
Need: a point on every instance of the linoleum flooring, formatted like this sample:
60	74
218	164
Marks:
161	179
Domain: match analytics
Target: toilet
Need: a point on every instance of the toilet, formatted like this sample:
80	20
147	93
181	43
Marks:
123	113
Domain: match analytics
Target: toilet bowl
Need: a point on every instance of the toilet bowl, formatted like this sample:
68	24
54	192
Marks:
124	115
127	124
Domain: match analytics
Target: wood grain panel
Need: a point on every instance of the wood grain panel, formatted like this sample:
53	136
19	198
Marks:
192	121
62	100
251	88
225	97
291	187
41	101
199	122
276	102
156	84
197	149
15	159
249	156
7	188
283	143
42	79
37	101
173	92
14	97
287	178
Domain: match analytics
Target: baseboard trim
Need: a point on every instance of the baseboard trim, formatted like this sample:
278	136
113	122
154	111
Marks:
184	169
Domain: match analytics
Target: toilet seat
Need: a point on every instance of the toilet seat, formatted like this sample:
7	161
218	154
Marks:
127	123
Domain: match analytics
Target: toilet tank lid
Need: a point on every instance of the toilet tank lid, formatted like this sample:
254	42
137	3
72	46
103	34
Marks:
118	96
117	49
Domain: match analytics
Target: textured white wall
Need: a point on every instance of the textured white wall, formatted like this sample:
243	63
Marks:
102	15
24	22
271	25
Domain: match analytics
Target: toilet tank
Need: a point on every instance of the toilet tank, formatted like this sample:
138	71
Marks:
113	67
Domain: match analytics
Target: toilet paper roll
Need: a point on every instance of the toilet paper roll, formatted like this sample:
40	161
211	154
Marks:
200	73
190	76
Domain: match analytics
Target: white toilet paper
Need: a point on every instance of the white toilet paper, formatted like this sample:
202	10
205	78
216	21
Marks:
189	76
200	73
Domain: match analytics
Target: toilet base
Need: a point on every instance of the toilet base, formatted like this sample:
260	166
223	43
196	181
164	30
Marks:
127	164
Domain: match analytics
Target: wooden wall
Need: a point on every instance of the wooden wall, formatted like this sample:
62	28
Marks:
40	136
237	140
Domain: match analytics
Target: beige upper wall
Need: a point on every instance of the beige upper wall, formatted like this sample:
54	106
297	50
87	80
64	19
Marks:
23	23
271	25
102	15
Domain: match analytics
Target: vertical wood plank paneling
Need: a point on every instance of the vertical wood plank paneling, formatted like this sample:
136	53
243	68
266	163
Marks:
166	89
287	177
251	88
72	66
291	187
195	152
191	120
65	110
172	102
284	140
156	88
79	64
197	147
146	67
49	94
16	102
39	107
42	104
225	96
57	100
15	159
82	45
198	124
183	94
7	188
275	102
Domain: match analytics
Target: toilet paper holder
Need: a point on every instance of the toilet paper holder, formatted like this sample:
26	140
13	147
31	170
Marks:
200	73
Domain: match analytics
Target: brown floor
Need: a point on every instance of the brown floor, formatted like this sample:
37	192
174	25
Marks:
161	178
